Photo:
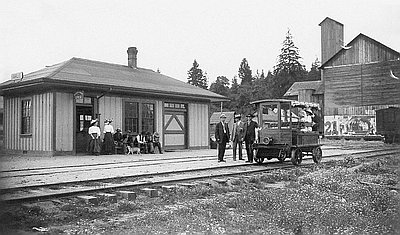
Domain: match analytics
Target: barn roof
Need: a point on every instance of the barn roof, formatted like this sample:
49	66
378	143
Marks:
95	73
297	86
352	42
215	117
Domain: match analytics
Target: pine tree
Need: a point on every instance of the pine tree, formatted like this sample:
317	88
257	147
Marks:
196	76
245	72
314	74
220	86
289	59
288	69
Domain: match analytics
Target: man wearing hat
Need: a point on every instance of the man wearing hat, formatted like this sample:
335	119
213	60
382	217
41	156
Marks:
156	142
249	130
237	136
222	137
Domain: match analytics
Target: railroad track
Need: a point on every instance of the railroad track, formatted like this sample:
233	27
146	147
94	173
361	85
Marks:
200	168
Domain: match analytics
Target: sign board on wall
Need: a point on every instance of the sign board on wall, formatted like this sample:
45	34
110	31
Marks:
350	125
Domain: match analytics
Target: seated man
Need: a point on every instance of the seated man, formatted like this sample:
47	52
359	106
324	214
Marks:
149	141
156	142
128	141
141	143
118	140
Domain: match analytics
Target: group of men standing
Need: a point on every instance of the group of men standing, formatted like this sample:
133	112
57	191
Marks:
241	131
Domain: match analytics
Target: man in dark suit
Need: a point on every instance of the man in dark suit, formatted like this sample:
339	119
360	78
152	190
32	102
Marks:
222	137
250	136
237	136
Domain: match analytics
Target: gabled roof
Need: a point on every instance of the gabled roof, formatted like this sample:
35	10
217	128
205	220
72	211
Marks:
328	18
352	42
297	86
95	73
215	117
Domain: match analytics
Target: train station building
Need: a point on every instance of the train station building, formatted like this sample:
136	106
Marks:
48	111
357	79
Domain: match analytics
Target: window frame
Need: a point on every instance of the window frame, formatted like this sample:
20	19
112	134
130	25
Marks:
26	127
140	103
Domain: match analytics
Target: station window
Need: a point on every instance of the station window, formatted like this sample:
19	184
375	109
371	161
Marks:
148	117
175	106
26	121
132	116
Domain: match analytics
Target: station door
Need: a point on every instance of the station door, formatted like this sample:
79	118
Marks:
175	130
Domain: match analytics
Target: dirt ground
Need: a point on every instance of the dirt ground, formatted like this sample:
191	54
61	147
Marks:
351	196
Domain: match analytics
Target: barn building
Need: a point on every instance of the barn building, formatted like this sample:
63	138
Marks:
48	112
357	79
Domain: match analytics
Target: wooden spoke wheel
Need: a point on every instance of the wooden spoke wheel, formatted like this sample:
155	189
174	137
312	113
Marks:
297	156
317	154
257	158
283	154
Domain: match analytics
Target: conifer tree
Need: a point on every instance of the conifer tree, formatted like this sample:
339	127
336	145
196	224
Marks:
245	72
288	69
289	59
196	76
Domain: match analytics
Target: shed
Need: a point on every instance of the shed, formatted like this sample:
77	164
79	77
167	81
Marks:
214	119
48	111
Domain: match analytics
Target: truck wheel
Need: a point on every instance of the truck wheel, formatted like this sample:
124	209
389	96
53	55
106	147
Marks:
317	154
282	155
259	160
297	156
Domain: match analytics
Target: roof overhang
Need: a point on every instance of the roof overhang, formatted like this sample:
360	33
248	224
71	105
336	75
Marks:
41	84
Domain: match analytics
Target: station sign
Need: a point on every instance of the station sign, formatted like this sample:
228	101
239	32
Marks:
17	76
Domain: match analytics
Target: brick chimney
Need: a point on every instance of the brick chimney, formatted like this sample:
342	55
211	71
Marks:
331	38
132	57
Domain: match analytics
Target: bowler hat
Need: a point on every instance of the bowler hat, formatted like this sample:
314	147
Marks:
222	116
238	116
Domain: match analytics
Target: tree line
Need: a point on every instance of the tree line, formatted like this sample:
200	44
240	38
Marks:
258	85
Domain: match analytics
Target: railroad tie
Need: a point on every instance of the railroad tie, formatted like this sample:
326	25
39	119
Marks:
108	197
220	181
204	183
128	195
150	192
187	185
169	188
89	200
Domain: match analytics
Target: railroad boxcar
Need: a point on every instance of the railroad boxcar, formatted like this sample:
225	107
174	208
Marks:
284	133
388	124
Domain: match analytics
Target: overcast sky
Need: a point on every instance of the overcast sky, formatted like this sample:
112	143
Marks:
170	34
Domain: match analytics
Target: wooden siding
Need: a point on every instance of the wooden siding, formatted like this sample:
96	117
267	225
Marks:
363	50
198	125
110	107
41	121
64	122
331	38
367	85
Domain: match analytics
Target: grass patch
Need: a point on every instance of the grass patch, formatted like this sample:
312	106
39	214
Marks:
323	199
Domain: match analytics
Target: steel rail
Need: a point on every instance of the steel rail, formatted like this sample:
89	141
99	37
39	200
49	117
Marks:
174	179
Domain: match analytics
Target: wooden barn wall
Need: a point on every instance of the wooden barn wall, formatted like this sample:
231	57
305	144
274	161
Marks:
363	51
331	33
41	119
198	125
64	122
110	107
359	88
